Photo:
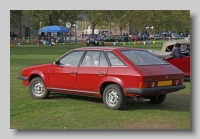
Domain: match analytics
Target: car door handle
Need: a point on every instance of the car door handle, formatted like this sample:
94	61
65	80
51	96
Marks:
72	73
101	73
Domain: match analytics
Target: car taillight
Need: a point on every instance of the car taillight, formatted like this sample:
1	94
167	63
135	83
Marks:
178	82
148	84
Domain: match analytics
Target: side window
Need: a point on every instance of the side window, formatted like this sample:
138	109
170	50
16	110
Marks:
103	61
71	59
114	60
91	58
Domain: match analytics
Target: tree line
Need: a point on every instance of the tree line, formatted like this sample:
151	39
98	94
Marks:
134	20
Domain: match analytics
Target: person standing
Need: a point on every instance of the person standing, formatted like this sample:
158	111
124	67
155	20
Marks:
82	35
20	34
124	36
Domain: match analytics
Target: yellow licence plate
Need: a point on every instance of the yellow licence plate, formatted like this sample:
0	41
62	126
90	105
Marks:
165	83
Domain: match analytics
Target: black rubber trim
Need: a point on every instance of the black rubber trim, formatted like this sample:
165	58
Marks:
146	91
22	78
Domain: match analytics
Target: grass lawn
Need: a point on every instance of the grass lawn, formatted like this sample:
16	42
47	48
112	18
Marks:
61	111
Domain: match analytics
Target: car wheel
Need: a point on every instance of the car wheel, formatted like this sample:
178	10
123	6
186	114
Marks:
157	100
37	89
113	97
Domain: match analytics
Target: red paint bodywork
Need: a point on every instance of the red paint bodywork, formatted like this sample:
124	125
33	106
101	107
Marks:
90	80
133	37
181	63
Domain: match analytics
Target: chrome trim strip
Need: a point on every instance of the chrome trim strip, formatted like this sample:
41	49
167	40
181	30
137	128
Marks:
69	90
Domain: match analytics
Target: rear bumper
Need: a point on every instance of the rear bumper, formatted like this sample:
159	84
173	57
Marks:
149	91
23	78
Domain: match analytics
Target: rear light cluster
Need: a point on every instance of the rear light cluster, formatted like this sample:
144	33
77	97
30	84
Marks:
148	84
177	82
156	84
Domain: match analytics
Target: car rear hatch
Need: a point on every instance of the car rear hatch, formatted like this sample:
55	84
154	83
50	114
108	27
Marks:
160	72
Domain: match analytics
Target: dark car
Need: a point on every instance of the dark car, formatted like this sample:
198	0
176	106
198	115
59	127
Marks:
124	39
95	39
156	36
110	73
113	38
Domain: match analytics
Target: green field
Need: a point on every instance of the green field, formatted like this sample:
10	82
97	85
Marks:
66	112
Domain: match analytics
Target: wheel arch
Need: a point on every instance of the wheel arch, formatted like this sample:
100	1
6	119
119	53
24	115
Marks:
106	83
35	74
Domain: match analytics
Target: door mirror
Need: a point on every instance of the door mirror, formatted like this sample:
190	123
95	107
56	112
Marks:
57	62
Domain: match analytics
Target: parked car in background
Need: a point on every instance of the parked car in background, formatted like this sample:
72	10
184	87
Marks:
116	38
123	40
156	37
182	63
165	35
110	73
187	38
113	38
174	36
133	37
95	39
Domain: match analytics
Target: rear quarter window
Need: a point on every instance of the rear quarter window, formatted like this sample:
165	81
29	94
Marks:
114	60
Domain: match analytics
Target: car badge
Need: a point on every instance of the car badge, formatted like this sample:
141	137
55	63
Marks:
166	77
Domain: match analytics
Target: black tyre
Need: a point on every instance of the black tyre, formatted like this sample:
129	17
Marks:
37	89
113	97
157	100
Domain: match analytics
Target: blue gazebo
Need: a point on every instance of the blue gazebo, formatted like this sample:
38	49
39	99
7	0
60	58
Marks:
53	28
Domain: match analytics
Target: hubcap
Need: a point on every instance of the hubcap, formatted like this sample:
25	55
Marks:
38	89
111	98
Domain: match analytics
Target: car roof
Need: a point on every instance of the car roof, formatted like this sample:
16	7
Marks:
168	43
106	48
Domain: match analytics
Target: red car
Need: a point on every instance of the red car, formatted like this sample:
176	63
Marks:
133	37
181	63
111	73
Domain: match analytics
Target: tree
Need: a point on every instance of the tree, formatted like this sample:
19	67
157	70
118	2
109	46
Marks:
16	18
120	17
95	17
51	17
137	19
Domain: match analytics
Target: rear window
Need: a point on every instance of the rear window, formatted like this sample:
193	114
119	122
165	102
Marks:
140	57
